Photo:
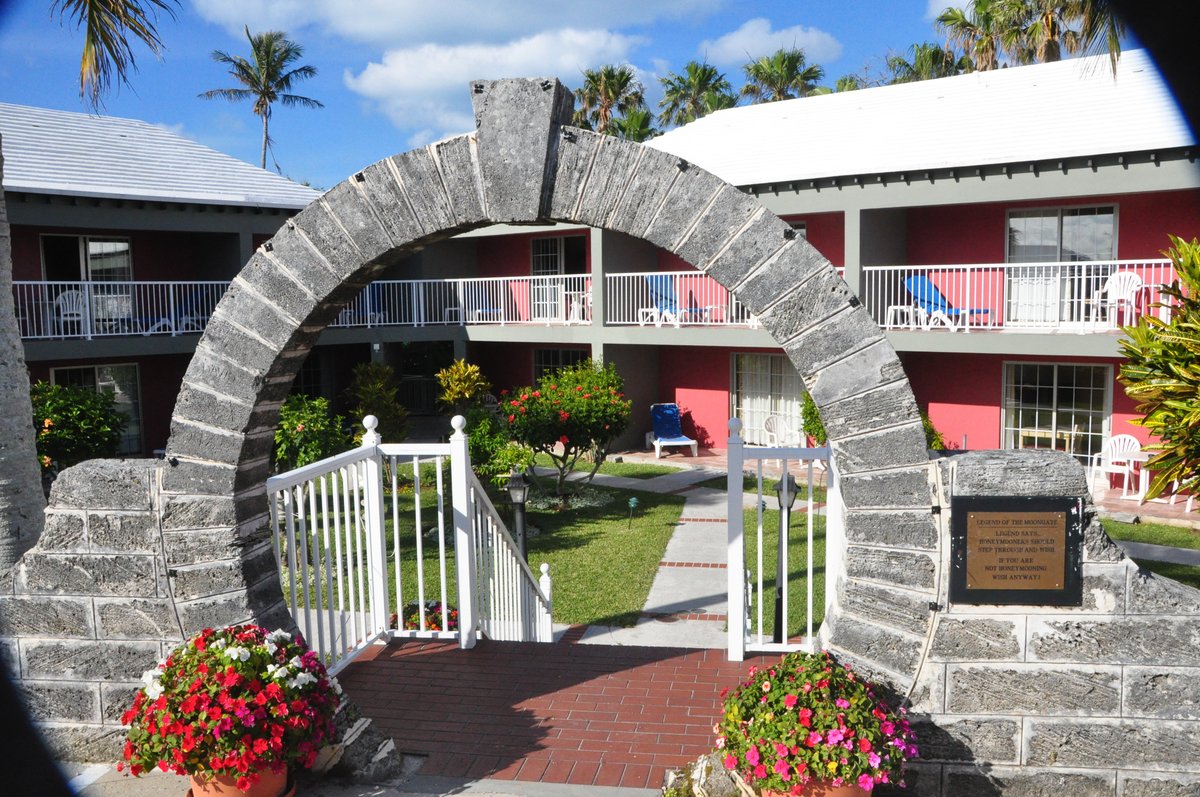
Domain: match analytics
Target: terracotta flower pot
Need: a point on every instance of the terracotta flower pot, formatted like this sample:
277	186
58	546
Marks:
269	784
817	789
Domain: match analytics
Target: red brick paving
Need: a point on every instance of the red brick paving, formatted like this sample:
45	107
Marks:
561	713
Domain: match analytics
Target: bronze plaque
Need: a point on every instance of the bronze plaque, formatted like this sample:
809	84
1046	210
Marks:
1016	550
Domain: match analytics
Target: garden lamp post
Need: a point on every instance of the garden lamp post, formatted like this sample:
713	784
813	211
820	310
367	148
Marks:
518	493
786	493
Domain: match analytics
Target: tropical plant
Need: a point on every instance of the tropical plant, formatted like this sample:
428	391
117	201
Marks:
700	90
926	61
267	77
635	125
74	424
463	385
236	701
812	719
571	413
977	31
783	75
1100	29
374	391
607	92
494	454
1162	374
307	432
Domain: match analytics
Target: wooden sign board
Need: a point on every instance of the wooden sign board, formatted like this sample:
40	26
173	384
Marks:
1016	550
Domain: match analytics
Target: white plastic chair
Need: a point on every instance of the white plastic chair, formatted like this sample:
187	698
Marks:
778	432
1119	295
1113	460
70	307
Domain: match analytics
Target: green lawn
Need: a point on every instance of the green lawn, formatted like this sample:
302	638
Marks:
770	486
798	564
630	470
1160	534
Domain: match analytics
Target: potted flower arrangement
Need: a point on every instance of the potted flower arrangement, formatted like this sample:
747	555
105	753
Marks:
433	617
233	709
810	726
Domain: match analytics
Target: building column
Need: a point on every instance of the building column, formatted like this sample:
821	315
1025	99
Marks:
853	244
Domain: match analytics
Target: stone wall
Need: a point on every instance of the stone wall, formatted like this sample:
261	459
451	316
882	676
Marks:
1102	699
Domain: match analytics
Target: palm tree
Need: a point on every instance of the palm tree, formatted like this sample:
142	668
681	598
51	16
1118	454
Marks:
635	125
926	61
697	92
607	91
267	77
783	75
977	30
1101	28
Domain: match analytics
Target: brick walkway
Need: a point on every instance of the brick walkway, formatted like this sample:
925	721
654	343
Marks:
560	713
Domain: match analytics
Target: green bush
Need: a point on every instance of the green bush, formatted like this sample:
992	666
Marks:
463	385
307	433
74	424
493	453
374	392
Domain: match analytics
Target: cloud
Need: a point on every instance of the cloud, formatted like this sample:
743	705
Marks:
424	88
755	39
389	23
934	8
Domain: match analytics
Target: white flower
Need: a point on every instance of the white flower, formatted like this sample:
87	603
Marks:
154	687
217	643
302	679
279	635
278	672
235	653
295	662
337	688
271	647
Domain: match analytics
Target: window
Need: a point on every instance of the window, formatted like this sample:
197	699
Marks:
1052	235
72	258
122	382
1060	407
547	361
764	385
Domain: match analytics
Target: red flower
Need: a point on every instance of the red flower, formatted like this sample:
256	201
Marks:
563	440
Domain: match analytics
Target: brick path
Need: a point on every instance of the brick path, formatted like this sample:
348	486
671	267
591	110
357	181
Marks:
559	713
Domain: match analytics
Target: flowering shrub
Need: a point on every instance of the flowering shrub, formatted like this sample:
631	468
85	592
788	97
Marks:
74	423
433	617
307	432
232	702
810	718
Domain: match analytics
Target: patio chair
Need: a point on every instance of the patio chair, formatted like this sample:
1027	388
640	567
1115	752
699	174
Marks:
664	418
70	307
1119	295
661	288
780	434
933	308
1113	460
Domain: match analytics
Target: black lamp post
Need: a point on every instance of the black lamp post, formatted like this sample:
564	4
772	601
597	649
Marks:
786	493
518	492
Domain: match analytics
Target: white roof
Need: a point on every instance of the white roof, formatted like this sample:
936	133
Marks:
77	154
1020	114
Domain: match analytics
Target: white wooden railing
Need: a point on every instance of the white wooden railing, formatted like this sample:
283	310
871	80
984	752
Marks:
674	298
339	535
99	309
1083	296
749	601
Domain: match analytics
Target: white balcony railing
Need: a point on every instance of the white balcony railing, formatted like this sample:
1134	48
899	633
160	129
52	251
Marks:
1084	296
99	309
673	298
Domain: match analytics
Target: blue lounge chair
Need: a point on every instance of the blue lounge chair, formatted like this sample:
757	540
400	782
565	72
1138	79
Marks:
661	288
664	418
933	307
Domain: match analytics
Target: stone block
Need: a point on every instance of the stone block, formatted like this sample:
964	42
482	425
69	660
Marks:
1026	782
180	512
928	693
212	578
894	651
577	153
223	412
225	341
904	568
1020	472
353	210
991	739
897	489
1097	545
794	291
115	700
64	531
518	123
203	545
892	528
847	339
380	183
1158	784
721	221
1152	744
867	412
125	533
906	611
977	639
200	478
1033	689
866	452
124	618
10	657
1150	593
647	190
88	661
1165	692
1104	640
84	574
105	484
55	701
44	616
761	240
417	174
690	192
208	376
460	176
84	743
326	235
830	375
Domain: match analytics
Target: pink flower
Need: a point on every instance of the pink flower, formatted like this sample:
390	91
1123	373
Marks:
842	702
766	686
865	782
760	771
834	735
752	756
873	759
814	738
782	770
781	749
720	742
790	701
730	761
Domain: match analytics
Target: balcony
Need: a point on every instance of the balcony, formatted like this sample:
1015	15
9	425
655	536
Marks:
1071	297
89	310
672	298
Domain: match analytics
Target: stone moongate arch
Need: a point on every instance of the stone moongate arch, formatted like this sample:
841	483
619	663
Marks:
526	164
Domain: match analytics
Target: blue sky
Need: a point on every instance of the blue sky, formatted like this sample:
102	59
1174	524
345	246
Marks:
393	73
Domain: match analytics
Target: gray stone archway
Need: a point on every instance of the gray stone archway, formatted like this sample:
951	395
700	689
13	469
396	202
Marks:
525	164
